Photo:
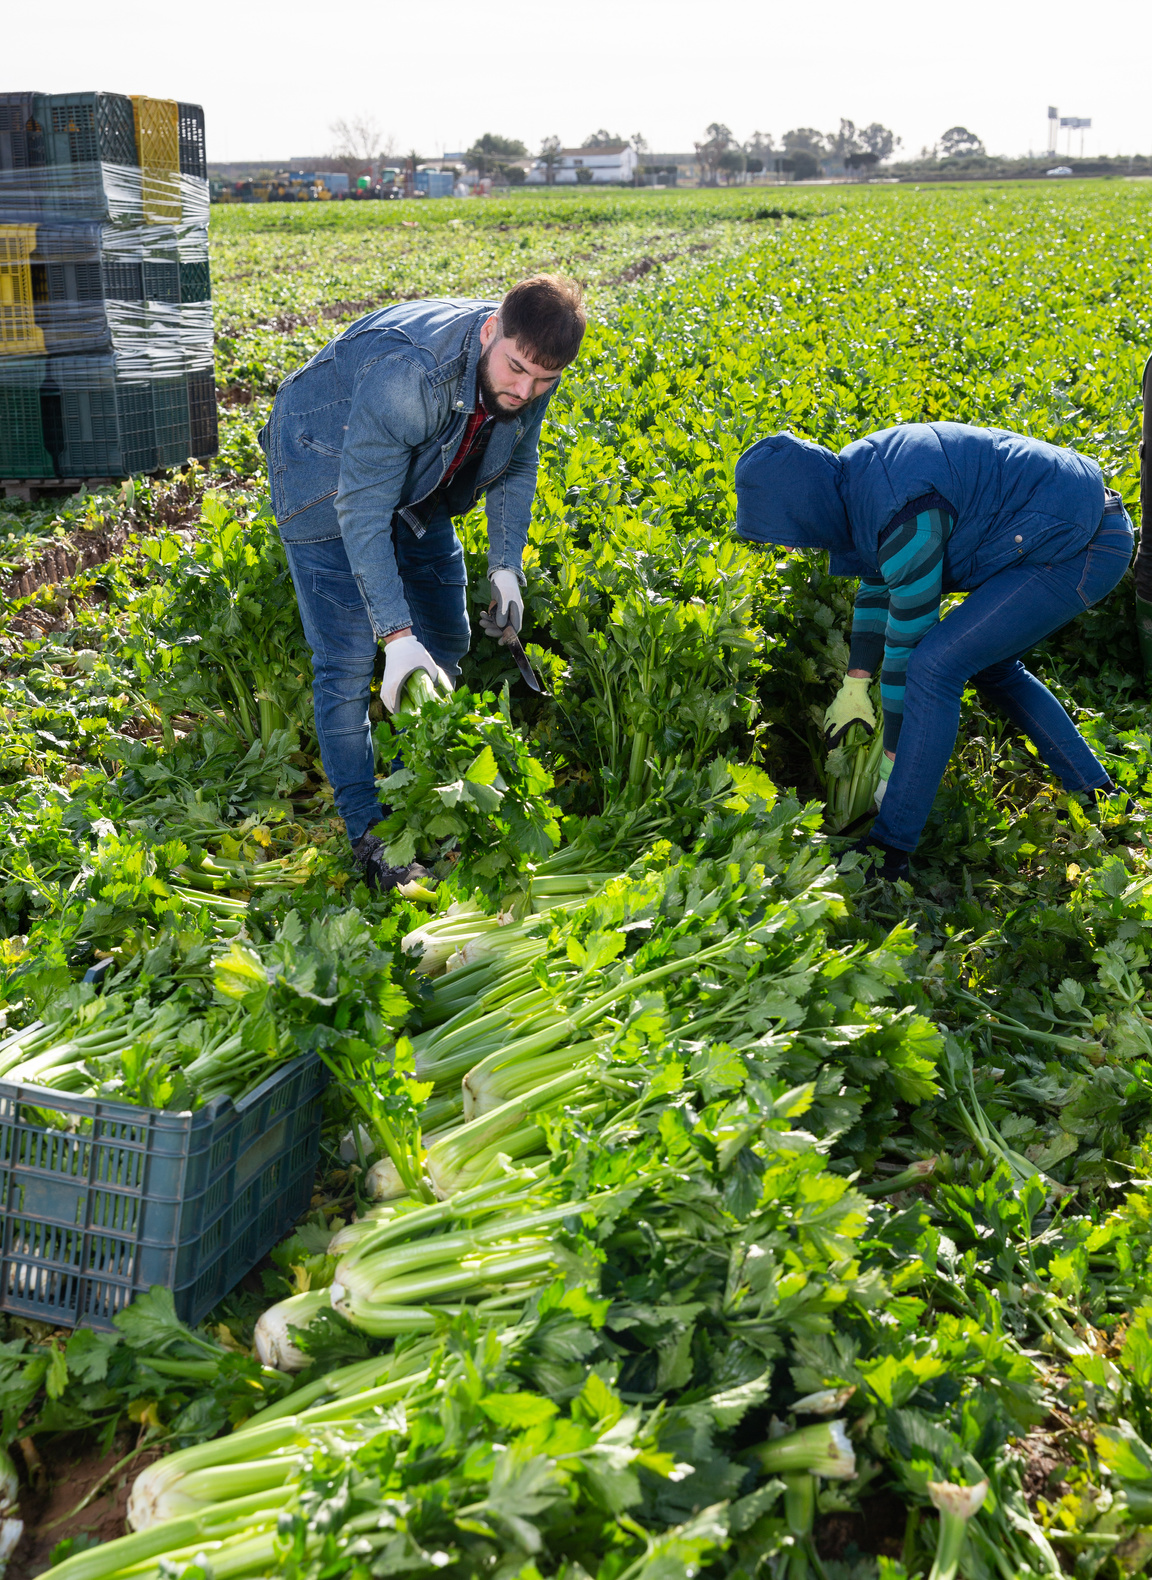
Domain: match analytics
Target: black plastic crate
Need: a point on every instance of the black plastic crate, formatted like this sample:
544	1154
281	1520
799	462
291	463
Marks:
160	261
68	289
81	277
21	135
76	261
193	148
80	128
202	416
66	263
22	448
102	1200
95	423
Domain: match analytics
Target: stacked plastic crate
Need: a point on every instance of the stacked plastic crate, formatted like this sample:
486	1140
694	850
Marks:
106	363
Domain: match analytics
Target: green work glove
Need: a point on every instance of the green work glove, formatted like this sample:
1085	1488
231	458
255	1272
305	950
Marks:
852	705
886	766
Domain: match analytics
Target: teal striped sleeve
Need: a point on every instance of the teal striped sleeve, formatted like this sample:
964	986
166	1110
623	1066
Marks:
912	563
869	624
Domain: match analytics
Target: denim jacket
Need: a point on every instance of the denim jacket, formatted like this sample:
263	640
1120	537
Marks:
371	424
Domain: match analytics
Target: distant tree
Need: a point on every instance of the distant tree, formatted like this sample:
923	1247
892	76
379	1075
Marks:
718	140
760	148
753	165
732	162
878	140
515	175
357	143
802	163
584	175
602	139
844	143
490	150
959	140
550	150
862	160
805	139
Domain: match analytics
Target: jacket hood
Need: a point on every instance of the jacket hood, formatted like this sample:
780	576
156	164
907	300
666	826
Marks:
788	493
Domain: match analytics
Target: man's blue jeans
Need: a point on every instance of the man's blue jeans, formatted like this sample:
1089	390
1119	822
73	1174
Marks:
344	645
980	642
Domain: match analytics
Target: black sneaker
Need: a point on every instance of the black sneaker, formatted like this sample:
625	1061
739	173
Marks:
884	861
368	854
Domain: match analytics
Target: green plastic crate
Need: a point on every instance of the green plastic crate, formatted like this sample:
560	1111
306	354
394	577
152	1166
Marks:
80	128
195	281
170	420
97	424
22	450
202	416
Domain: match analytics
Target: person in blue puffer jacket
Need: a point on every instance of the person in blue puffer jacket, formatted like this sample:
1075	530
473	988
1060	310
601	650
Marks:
1025	528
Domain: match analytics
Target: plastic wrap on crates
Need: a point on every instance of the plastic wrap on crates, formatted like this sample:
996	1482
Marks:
70	128
67	288
150	338
106	348
105	415
96	190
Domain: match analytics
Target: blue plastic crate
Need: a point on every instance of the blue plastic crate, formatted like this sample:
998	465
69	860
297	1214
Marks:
101	1200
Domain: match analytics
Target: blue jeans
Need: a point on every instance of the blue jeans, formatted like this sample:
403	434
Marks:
344	646
981	641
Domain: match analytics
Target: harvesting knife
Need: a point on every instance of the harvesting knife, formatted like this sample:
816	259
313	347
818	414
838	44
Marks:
511	641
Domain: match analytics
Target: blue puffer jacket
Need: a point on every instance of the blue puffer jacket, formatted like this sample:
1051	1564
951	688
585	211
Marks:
1014	500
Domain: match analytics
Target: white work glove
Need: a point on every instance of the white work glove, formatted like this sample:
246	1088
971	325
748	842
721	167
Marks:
402	658
507	606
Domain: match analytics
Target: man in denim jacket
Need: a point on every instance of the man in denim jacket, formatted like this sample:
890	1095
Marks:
397	425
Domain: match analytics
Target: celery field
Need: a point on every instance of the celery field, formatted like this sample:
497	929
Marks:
686	1205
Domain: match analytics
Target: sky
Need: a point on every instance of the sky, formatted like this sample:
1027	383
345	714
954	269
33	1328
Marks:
274	77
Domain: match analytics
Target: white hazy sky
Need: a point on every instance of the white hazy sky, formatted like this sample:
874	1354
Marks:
273	77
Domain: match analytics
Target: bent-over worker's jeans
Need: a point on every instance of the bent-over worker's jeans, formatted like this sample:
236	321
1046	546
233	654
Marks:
344	645
980	641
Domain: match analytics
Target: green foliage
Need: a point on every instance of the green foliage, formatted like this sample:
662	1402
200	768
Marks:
469	785
885	1146
234	649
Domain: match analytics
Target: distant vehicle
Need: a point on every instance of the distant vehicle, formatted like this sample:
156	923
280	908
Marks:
1060	170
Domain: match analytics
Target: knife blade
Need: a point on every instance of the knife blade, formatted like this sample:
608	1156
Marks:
511	641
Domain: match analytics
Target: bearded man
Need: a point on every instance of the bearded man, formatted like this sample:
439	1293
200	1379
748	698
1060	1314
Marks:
398	425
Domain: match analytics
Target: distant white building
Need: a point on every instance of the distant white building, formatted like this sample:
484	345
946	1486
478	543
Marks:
613	162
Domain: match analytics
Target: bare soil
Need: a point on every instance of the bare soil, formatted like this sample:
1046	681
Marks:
55	1485
877	1528
175	506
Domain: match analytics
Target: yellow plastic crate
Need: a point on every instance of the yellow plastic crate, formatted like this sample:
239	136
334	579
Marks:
19	334
158	149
